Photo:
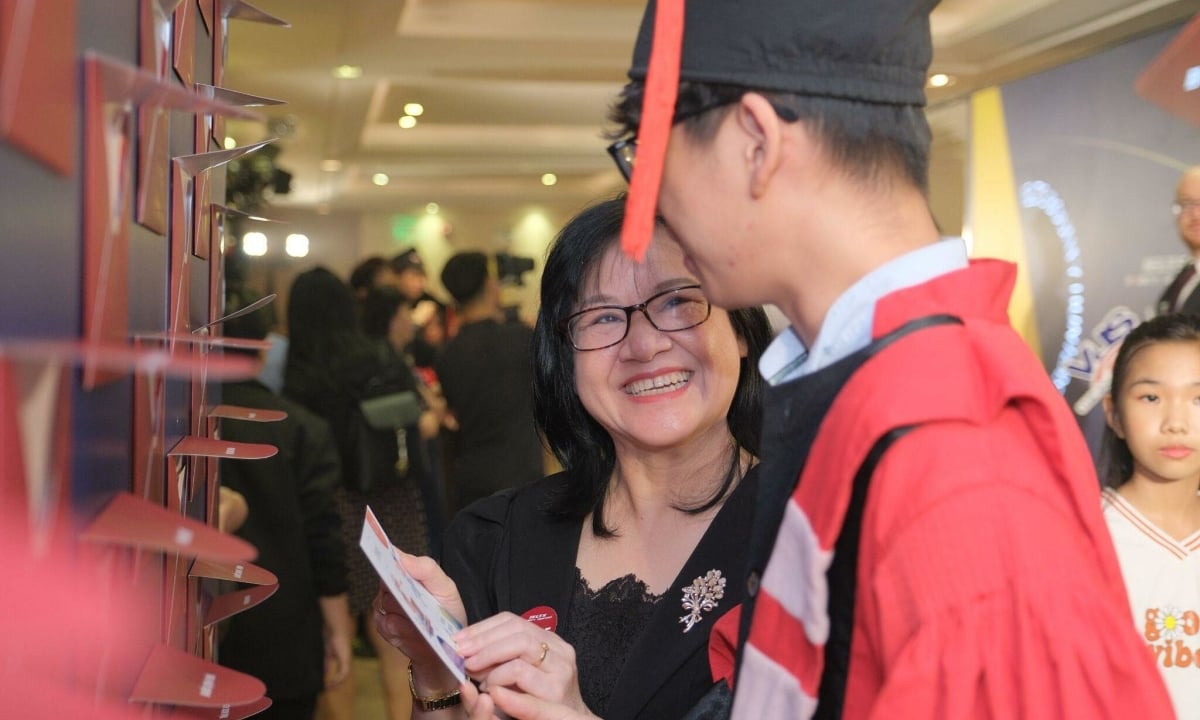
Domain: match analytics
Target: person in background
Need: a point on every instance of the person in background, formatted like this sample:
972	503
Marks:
1181	295
1152	453
485	372
371	272
625	561
332	367
929	510
387	318
429	314
298	640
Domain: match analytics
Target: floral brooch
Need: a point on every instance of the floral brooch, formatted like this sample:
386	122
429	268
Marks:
702	596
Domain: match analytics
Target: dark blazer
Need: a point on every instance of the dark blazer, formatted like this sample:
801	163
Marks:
295	525
486	373
506	552
1190	305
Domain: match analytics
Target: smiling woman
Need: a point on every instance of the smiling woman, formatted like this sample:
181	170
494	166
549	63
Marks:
651	400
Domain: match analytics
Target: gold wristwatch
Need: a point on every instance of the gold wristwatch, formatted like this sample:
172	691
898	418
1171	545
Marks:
426	704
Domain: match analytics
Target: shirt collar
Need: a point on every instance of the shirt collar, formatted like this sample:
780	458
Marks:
847	325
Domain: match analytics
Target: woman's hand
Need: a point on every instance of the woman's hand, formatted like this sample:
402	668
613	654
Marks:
535	667
395	627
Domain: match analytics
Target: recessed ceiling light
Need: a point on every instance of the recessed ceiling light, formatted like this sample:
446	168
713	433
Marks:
380	179
938	80
230	143
407	121
331	165
413	109
254	244
296	245
347	72
549	179
432	208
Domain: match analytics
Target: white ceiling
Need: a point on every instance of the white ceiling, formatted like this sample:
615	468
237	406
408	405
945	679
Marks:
513	89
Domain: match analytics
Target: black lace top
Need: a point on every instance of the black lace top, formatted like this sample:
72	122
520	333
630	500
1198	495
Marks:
605	624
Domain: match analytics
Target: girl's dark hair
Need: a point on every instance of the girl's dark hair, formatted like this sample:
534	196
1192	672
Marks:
378	308
1116	460
584	448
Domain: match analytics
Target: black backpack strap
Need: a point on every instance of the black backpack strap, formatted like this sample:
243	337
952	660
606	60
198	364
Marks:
842	577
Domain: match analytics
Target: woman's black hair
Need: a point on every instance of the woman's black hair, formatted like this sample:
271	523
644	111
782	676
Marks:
582	446
379	307
1116	460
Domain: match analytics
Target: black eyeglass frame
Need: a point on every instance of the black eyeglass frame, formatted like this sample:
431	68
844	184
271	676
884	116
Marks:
629	310
624	152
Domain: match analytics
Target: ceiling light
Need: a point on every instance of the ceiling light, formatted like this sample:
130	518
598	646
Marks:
254	244
432	208
549	179
380	179
331	165
347	72
938	80
230	143
413	109
296	245
407	121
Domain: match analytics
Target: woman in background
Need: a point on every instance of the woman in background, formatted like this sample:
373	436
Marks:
331	368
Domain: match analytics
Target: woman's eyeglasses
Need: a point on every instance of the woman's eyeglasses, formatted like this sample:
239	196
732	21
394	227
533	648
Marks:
671	310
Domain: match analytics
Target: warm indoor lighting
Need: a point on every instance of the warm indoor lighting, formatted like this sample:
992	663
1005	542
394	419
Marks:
254	244
331	165
432	208
413	109
347	72
296	245
324	209
380	179
230	143
407	121
938	80
549	179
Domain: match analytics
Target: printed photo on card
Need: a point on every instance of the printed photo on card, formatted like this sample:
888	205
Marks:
435	623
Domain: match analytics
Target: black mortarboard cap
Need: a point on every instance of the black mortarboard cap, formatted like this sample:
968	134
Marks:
875	51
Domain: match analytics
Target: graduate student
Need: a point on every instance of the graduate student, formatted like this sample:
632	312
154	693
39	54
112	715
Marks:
929	513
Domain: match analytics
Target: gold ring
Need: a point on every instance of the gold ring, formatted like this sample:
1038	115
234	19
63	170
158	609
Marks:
545	651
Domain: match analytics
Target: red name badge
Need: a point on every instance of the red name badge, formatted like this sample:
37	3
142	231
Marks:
543	616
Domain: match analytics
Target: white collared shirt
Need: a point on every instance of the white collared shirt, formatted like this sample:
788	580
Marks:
847	325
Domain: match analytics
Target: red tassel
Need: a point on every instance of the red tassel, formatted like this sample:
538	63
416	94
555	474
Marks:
658	109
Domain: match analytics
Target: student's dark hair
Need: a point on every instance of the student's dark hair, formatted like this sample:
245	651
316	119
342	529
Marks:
1116	460
871	142
582	446
465	275
378	308
362	277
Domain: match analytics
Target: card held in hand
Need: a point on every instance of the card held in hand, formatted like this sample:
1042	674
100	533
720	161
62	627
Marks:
434	622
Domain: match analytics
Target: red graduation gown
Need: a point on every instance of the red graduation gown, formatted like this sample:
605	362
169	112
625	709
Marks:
987	585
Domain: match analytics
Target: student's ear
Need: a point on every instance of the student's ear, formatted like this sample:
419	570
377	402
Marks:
1111	417
764	129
